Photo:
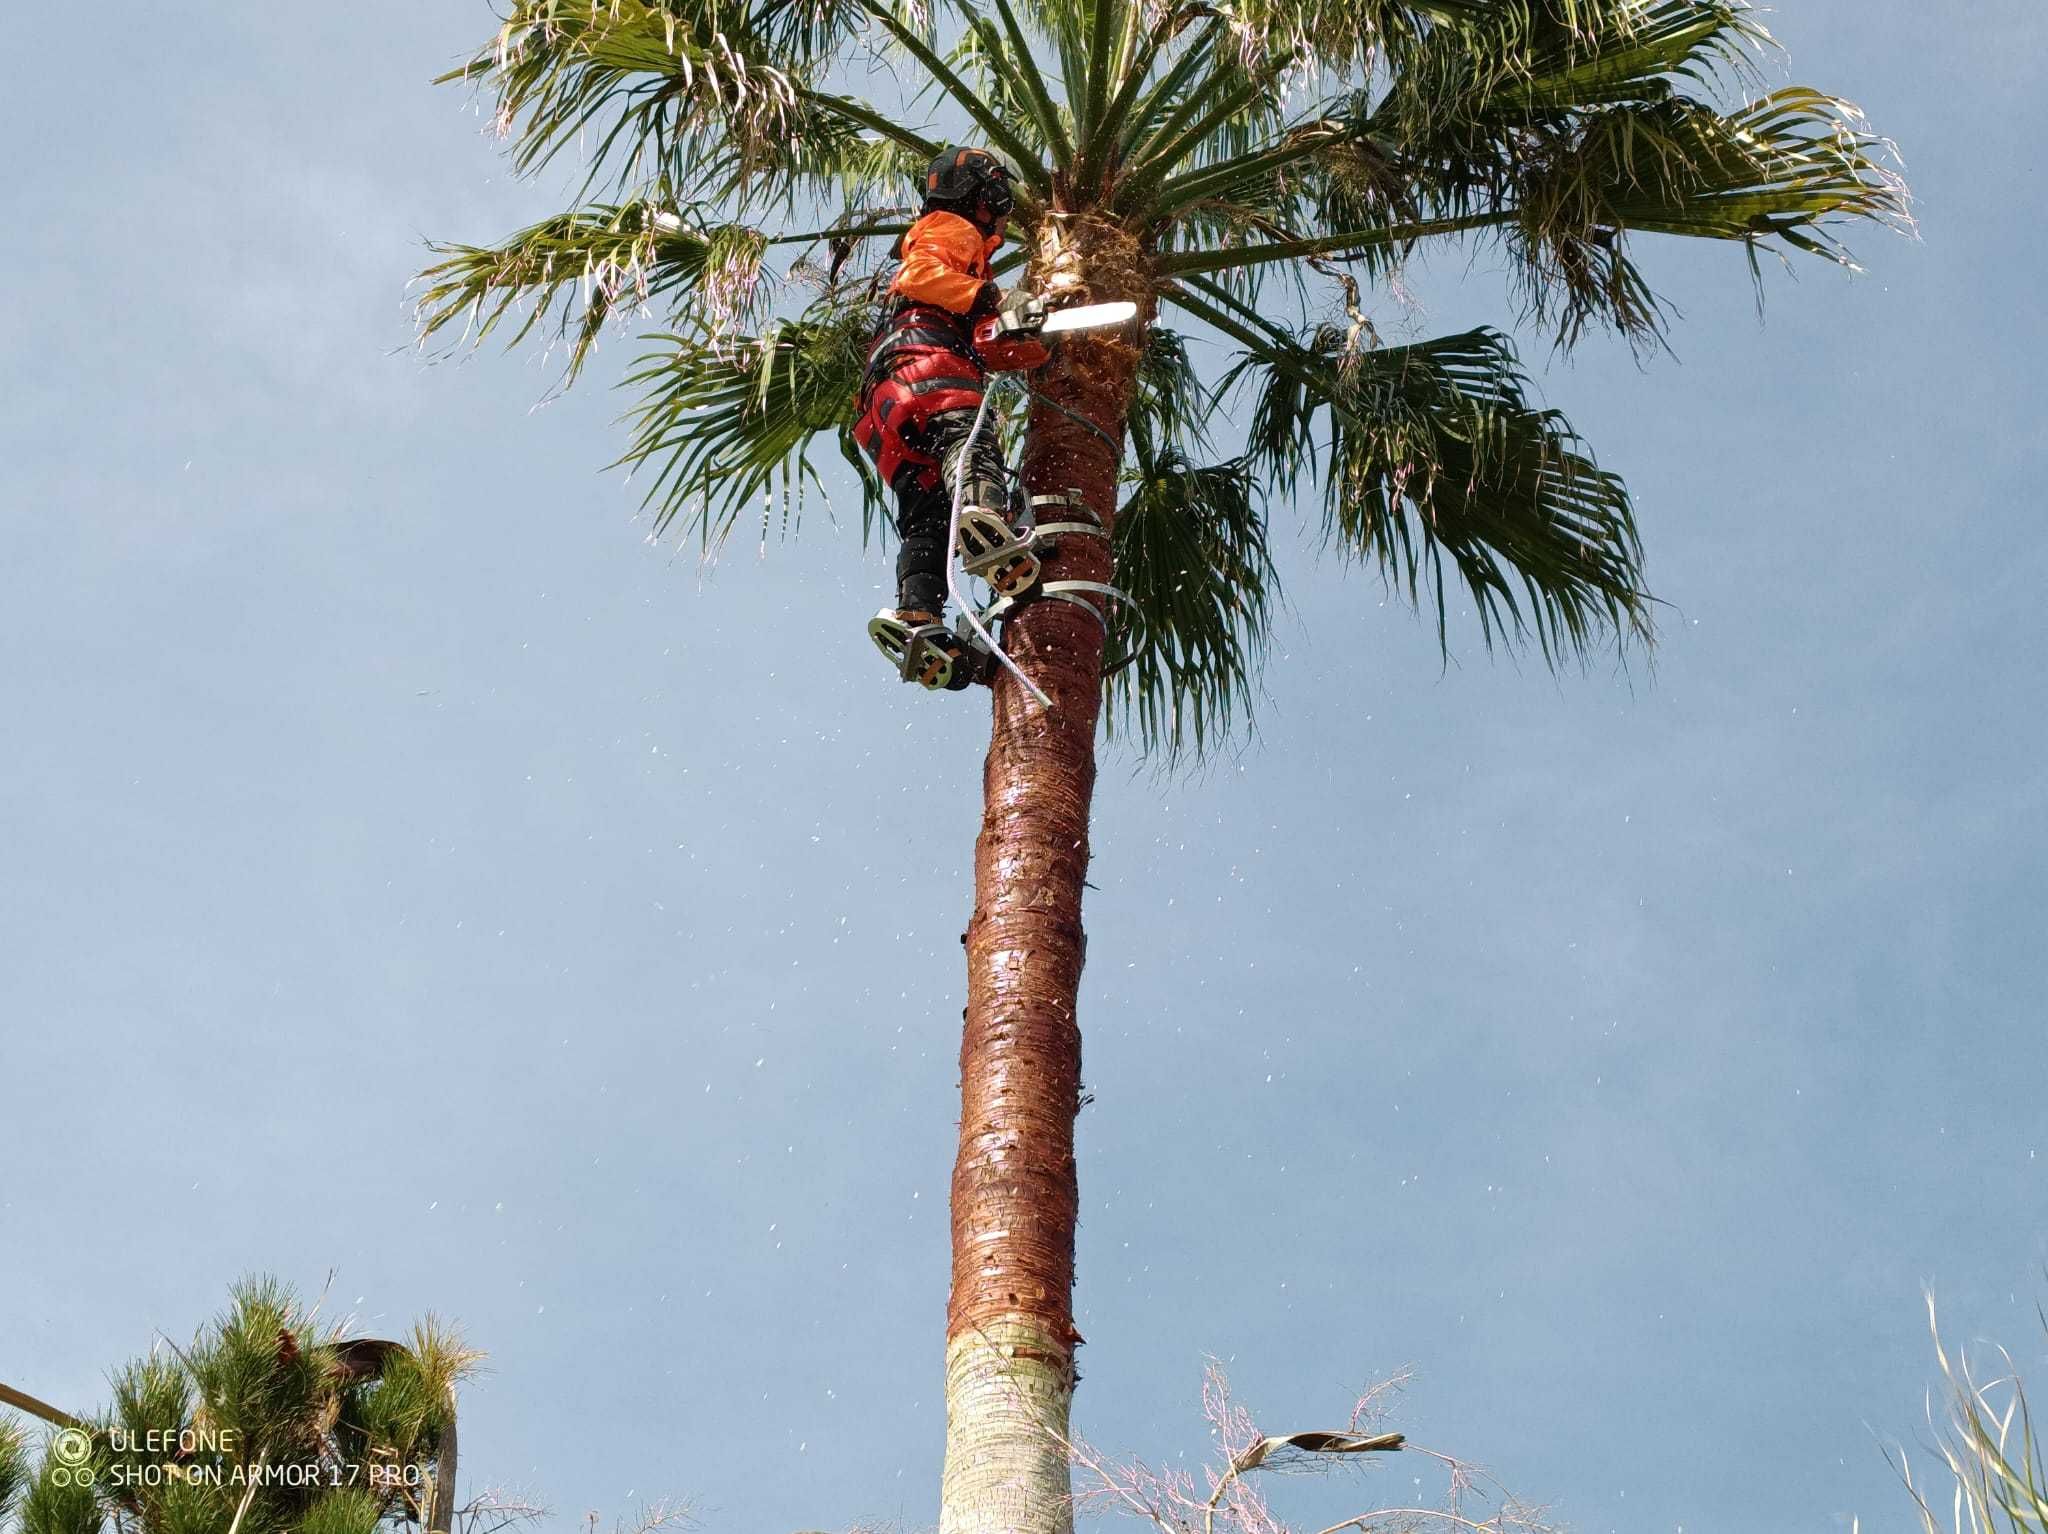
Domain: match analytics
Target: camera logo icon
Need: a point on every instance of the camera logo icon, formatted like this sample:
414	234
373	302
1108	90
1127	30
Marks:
72	1446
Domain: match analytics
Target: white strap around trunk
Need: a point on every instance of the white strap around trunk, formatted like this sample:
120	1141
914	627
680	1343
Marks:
953	564
1057	591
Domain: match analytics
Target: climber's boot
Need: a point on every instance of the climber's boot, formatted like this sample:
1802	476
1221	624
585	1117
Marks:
997	552
923	650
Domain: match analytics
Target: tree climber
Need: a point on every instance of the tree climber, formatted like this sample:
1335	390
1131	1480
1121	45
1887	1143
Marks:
918	401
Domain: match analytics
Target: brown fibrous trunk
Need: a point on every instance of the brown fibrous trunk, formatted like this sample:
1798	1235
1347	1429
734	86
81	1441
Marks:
1015	1197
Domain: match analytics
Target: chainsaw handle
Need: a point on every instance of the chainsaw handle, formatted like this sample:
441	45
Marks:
1007	348
1025	314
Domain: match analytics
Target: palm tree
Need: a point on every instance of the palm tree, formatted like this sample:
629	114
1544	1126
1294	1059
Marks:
1247	168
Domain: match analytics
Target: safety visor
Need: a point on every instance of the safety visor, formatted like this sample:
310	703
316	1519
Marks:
996	192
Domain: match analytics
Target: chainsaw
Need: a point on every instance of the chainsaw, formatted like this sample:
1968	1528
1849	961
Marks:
1013	341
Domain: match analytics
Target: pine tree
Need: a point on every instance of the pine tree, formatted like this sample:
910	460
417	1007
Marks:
267	1421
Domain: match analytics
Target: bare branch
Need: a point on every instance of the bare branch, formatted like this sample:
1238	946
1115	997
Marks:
1232	1501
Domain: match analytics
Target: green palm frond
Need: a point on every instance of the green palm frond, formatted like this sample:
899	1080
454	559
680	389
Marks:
997	75
862	172
1432	454
725	421
569	274
1170	407
1450	80
1633	54
815	31
1331	169
1054	130
657	86
1127	88
839	158
1783	173
1360	37
1056	32
1785	168
1271	159
1191	557
1191	553
1466	125
1456	96
1560	142
1160	97
1105	26
1035	180
1230	109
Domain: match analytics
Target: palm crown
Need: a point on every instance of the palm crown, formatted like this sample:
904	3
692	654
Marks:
1248	166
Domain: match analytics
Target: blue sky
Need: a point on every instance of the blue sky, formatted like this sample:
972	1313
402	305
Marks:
413	872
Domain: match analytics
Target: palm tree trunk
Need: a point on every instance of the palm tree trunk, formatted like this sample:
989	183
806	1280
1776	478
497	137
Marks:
1010	1334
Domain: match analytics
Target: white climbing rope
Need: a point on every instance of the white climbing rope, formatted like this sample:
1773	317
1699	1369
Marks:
953	563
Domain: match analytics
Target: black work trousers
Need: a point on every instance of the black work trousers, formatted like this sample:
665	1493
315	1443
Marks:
923	514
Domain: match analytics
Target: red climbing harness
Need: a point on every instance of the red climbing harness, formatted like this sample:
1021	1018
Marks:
921	362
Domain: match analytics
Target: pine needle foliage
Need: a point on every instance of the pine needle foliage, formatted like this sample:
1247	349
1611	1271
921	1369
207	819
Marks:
17	1466
266	1421
1275	161
58	1504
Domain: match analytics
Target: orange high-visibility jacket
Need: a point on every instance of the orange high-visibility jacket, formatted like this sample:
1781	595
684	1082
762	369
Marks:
919	364
945	262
